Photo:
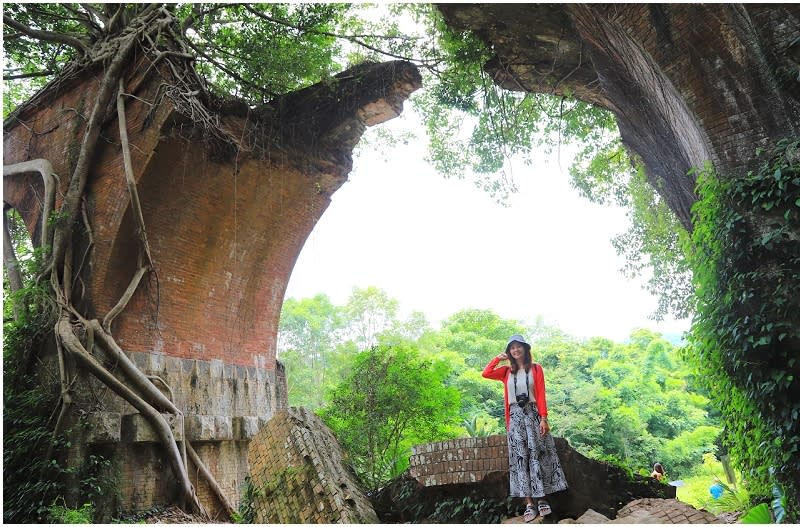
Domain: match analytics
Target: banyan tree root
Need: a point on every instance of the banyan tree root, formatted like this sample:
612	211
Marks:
133	385
73	344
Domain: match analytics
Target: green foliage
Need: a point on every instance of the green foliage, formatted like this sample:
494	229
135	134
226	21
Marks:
474	128
746	334
33	470
27	56
473	509
654	241
684	451
308	332
98	481
758	515
391	400
778	504
247	511
629	403
317	339
31	482
64	514
301	49
481	426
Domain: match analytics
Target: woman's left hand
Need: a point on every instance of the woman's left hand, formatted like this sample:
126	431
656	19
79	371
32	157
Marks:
544	426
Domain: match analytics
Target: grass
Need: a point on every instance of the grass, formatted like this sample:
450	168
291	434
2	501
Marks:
695	489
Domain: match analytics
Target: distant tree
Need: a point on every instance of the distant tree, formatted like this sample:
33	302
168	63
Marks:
391	400
477	335
309	331
369	312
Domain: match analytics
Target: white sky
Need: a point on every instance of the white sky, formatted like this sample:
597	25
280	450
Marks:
442	245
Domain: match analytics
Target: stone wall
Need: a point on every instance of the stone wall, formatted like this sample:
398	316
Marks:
298	474
224	407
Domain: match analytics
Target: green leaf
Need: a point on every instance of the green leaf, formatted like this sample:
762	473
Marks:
758	514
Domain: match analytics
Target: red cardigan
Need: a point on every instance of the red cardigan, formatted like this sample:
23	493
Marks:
501	374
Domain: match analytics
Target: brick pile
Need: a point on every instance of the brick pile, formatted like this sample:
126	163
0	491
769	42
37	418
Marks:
297	474
668	511
465	460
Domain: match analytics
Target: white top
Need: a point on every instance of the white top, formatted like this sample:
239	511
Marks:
520	376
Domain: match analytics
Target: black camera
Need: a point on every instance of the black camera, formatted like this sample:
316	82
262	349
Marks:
522	399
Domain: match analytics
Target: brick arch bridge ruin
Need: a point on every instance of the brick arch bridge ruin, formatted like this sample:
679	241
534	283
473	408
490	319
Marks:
687	83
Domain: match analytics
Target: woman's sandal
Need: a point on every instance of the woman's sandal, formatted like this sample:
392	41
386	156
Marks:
544	508
530	513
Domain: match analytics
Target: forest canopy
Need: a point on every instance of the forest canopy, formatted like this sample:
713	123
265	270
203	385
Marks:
632	403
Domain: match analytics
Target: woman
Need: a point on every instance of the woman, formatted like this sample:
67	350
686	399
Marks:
534	468
658	472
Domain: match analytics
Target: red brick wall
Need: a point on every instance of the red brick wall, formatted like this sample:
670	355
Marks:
224	234
224	239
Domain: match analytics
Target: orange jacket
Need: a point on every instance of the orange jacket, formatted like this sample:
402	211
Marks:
501	374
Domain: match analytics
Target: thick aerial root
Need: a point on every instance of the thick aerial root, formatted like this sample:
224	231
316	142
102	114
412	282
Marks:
128	381
126	297
156	420
15	280
77	184
154	397
50	180
209	477
136	206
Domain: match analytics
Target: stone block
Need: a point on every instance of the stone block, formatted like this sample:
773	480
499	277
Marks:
200	427
216	368
136	429
156	362
209	427
223	427
245	427
591	516
103	427
173	365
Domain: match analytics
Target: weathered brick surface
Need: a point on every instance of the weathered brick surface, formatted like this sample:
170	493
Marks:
296	467
668	511
688	83
224	407
465	460
224	229
482	463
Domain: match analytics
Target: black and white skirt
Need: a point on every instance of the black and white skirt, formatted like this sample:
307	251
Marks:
534	468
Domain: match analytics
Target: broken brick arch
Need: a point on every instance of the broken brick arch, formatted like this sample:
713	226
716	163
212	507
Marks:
224	227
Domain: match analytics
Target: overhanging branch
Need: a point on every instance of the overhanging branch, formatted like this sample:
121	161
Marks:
72	41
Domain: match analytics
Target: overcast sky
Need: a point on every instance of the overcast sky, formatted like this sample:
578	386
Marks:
442	245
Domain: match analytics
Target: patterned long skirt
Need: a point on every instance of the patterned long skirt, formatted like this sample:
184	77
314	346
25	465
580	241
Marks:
534	468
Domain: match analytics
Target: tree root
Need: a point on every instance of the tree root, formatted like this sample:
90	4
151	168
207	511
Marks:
126	297
15	280
133	386
160	425
129	178
209	477
50	180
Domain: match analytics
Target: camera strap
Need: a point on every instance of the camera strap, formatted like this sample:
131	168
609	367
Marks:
527	385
